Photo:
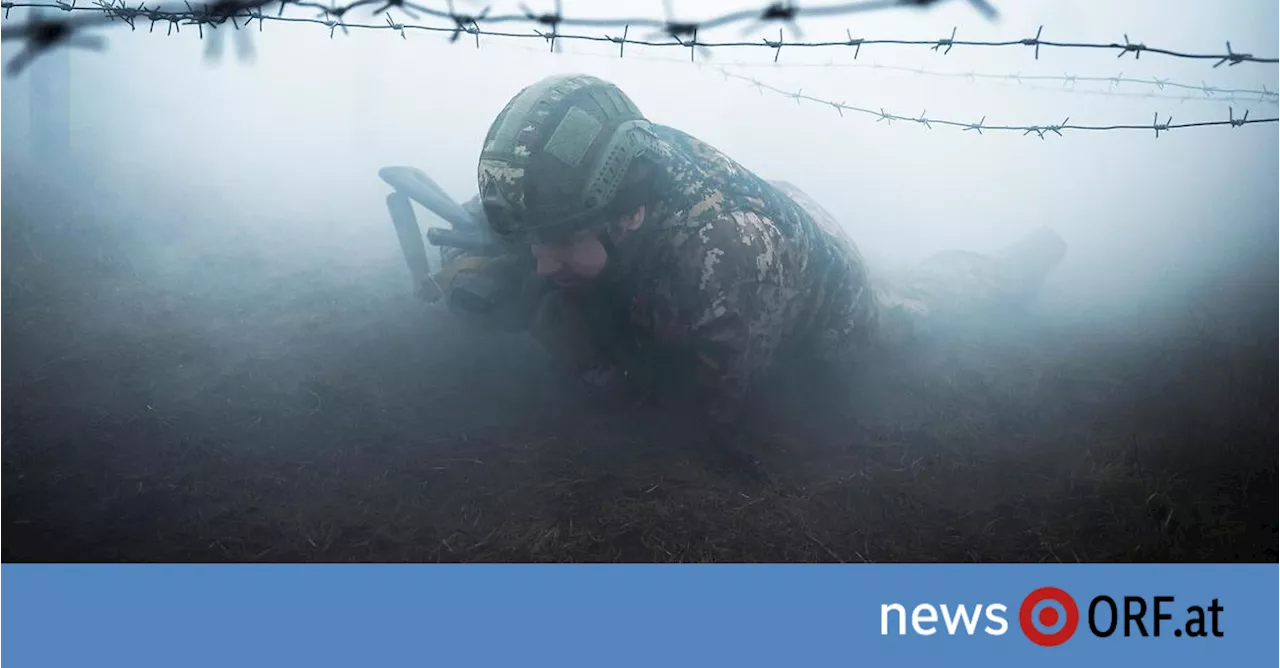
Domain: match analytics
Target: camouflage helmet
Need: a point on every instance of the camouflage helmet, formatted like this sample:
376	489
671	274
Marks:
554	158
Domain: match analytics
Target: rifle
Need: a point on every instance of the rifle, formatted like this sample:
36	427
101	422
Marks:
466	232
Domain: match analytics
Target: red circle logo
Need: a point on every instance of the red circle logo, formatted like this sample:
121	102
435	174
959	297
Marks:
1042	621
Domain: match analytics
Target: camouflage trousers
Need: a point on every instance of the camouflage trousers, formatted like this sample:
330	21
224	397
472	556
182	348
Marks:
953	284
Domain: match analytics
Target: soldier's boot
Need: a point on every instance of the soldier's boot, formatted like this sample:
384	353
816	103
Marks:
962	285
1029	261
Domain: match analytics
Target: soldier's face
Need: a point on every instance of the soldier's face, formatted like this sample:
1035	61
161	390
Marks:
581	258
573	262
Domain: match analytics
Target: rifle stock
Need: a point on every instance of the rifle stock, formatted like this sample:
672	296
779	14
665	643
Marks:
421	189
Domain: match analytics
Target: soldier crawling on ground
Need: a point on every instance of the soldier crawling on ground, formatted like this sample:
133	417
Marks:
644	259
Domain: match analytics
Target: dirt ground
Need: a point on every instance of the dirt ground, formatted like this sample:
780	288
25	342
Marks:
256	413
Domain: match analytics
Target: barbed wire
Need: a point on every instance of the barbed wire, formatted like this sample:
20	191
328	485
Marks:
41	34
981	125
1068	86
1068	81
1208	93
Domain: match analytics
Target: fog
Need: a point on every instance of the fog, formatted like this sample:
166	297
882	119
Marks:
222	217
292	140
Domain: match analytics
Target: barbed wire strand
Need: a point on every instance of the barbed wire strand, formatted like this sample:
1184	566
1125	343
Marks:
1037	130
1213	94
41	33
1257	97
220	11
1262	93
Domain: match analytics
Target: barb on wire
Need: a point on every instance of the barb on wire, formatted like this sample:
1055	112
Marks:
979	127
548	26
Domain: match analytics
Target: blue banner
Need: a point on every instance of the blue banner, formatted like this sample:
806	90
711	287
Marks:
640	615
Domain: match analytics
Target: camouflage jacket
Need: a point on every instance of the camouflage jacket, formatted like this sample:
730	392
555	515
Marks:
732	273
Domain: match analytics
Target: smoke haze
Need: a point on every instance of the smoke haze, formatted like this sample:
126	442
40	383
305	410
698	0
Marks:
212	351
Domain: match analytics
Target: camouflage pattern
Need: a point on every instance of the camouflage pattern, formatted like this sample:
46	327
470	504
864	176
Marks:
540	155
729	276
735	274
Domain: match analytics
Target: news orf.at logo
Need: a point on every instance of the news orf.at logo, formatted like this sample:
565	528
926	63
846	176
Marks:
1048	616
